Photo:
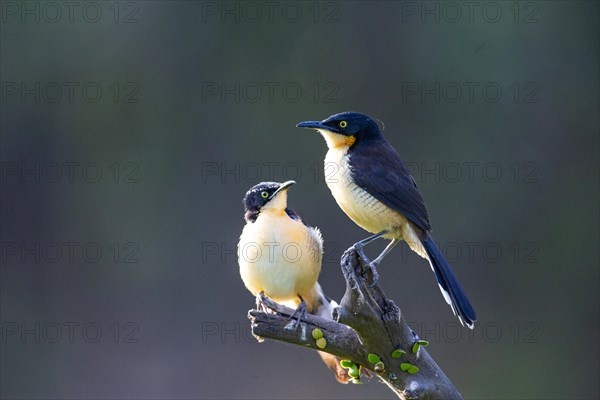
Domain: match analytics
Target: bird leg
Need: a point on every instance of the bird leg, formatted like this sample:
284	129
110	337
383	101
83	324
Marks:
375	263
261	297
299	313
259	303
358	246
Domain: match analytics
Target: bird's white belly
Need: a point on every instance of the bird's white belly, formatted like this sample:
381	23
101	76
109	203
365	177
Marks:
365	210
362	208
280	257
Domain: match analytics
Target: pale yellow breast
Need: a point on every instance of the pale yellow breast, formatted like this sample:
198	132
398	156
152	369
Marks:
279	256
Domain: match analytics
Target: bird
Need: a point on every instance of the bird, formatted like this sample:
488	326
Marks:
375	189
280	256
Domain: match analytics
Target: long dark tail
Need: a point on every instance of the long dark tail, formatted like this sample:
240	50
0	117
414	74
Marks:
449	285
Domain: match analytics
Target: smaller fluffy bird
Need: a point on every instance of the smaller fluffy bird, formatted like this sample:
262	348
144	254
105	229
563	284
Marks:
281	257
278	254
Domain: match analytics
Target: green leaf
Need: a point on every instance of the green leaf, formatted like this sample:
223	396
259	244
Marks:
373	358
346	364
413	370
317	333
405	366
354	371
398	353
321	343
418	343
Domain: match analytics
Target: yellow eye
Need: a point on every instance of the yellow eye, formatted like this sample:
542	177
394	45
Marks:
343	124
264	195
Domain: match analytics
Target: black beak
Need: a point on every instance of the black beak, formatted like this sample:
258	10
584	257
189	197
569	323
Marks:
316	125
284	186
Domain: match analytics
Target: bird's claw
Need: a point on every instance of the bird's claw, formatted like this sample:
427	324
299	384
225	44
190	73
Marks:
260	305
361	254
299	313
358	247
375	278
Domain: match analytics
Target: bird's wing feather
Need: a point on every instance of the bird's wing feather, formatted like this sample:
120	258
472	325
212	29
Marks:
380	171
292	214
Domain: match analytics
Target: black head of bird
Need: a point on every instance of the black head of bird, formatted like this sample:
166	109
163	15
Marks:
345	128
266	195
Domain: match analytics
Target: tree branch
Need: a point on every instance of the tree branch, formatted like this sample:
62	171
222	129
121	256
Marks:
366	322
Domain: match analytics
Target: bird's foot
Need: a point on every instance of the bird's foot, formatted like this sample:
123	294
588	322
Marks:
299	314
261	303
258	302
375	275
359	248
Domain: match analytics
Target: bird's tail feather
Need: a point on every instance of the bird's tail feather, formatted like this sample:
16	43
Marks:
449	285
320	303
323	306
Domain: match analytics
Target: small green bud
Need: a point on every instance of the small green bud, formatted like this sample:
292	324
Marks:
407	367
418	343
398	353
321	343
373	358
317	333
346	364
413	370
354	371
379	367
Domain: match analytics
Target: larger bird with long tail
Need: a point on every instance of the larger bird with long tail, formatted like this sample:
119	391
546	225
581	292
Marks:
374	188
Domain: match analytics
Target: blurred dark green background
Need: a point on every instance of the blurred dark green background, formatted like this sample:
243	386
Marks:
125	284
